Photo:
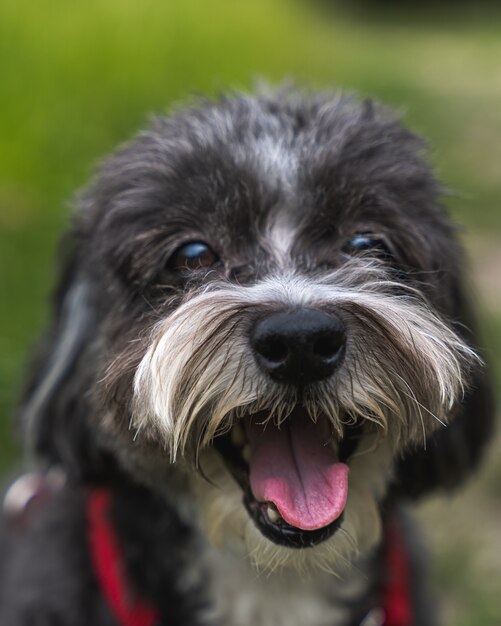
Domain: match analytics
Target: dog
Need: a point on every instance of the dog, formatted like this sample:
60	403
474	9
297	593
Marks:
261	348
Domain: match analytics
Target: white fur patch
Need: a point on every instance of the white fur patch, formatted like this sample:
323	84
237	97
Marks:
242	599
277	161
278	238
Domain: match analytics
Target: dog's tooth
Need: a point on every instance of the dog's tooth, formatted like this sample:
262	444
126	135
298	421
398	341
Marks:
272	513
238	437
246	453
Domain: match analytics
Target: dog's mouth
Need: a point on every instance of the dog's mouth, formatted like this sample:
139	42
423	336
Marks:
294	477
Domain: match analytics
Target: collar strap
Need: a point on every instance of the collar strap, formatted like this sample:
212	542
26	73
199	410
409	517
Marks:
397	586
129	609
107	559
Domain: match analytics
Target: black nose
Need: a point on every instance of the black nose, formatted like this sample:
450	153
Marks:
298	347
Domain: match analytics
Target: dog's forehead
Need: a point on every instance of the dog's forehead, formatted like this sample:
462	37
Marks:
261	177
279	173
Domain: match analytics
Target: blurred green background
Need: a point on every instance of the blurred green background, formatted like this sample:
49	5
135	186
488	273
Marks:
76	78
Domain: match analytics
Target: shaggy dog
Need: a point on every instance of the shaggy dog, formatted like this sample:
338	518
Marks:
261	347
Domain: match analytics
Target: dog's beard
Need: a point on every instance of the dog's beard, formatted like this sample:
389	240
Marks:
403	371
229	527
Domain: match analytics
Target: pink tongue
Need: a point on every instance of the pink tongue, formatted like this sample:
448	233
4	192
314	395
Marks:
294	468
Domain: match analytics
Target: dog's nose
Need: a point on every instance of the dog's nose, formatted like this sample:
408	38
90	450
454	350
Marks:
298	347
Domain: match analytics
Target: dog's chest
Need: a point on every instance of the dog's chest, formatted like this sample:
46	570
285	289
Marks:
240	597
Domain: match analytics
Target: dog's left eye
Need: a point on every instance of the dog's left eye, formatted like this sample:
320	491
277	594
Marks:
193	255
367	242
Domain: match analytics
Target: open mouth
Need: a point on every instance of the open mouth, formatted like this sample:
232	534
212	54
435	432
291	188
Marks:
294	477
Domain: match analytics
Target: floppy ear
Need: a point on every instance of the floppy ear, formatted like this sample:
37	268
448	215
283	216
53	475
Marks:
54	407
452	452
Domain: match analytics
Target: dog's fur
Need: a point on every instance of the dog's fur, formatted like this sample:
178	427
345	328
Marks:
147	365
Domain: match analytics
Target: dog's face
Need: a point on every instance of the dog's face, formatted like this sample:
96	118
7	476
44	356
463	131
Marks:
274	296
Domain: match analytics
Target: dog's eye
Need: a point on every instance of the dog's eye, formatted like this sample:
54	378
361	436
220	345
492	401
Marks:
193	255
368	242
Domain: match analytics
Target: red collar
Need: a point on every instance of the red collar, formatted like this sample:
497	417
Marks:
396	592
126	606
131	610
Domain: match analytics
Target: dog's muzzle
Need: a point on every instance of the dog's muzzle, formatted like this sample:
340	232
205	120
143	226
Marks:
294	480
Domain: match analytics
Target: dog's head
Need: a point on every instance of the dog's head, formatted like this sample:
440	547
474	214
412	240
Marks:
265	302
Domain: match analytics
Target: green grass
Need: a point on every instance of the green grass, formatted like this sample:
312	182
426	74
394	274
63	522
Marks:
79	77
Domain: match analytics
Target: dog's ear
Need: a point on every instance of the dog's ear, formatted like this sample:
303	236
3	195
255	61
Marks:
452	452
54	406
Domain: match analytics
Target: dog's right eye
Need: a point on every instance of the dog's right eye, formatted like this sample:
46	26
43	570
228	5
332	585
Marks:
192	256
368	241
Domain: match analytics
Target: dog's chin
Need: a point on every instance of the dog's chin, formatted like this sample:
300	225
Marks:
294	494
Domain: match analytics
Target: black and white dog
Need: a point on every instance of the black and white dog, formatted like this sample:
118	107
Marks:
261	347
